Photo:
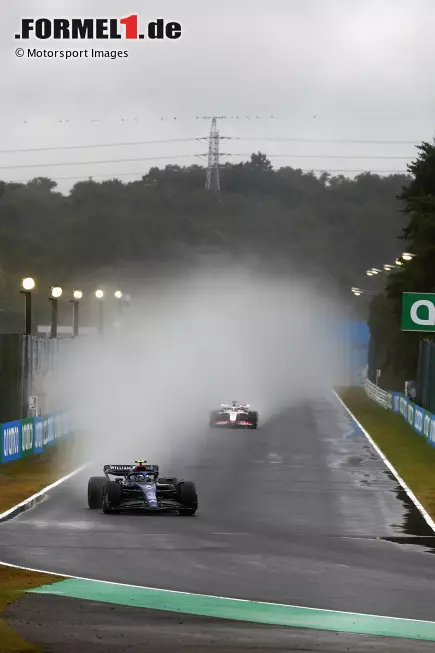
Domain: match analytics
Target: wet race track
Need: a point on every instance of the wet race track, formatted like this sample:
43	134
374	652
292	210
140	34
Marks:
301	511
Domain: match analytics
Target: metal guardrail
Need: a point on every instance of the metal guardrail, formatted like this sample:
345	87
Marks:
418	418
377	394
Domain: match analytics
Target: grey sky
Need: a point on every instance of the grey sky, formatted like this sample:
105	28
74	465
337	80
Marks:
326	69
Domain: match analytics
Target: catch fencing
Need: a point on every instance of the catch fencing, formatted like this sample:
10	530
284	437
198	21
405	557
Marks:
421	420
33	435
29	366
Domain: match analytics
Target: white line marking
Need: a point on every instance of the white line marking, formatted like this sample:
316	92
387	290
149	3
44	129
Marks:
212	596
5	514
407	489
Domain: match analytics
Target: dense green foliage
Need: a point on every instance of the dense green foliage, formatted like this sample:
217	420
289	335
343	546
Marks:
396	351
335	227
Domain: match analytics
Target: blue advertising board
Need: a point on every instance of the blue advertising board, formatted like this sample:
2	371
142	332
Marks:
32	435
50	429
58	426
39	435
396	401
11	441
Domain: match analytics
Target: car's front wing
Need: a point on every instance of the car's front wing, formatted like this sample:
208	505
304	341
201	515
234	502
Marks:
137	504
233	425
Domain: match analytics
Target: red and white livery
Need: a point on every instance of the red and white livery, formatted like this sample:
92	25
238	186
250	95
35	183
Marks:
234	415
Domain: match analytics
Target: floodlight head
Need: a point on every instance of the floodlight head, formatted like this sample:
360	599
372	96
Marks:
28	283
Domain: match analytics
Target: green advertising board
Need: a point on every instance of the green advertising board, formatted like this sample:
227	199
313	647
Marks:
418	311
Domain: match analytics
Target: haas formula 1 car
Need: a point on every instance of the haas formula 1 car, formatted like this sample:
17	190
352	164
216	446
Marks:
139	487
234	416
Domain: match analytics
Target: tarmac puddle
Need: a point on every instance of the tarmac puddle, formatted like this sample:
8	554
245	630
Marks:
416	531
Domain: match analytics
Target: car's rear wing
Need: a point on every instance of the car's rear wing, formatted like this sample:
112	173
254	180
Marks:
123	470
117	470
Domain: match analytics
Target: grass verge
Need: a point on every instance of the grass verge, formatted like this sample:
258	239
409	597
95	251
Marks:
408	452
13	582
20	479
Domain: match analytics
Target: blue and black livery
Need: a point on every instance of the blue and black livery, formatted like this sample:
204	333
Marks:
139	487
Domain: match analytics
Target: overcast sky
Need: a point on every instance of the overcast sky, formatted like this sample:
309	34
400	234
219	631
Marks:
326	69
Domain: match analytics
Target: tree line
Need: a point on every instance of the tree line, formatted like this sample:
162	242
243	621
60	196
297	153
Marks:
331	226
395	352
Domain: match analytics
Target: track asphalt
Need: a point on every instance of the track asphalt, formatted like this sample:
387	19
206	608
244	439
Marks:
300	512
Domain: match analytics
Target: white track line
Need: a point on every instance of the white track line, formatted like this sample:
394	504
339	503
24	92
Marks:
34	498
400	480
210	596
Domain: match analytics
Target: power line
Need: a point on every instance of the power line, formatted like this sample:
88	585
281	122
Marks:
95	145
181	156
81	163
374	172
326	140
270	139
334	156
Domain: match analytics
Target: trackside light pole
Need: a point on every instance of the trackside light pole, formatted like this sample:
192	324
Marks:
27	284
99	294
55	293
77	294
120	297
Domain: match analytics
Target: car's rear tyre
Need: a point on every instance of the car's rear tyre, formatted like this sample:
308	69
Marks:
213	419
253	417
188	498
112	497
96	487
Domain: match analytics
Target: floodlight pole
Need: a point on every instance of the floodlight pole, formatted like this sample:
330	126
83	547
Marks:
75	303
27	311
100	317
54	316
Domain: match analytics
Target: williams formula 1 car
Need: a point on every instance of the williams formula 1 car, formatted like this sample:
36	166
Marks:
234	415
139	487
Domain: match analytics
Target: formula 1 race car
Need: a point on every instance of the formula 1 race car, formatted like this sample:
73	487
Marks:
234	415
139	487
